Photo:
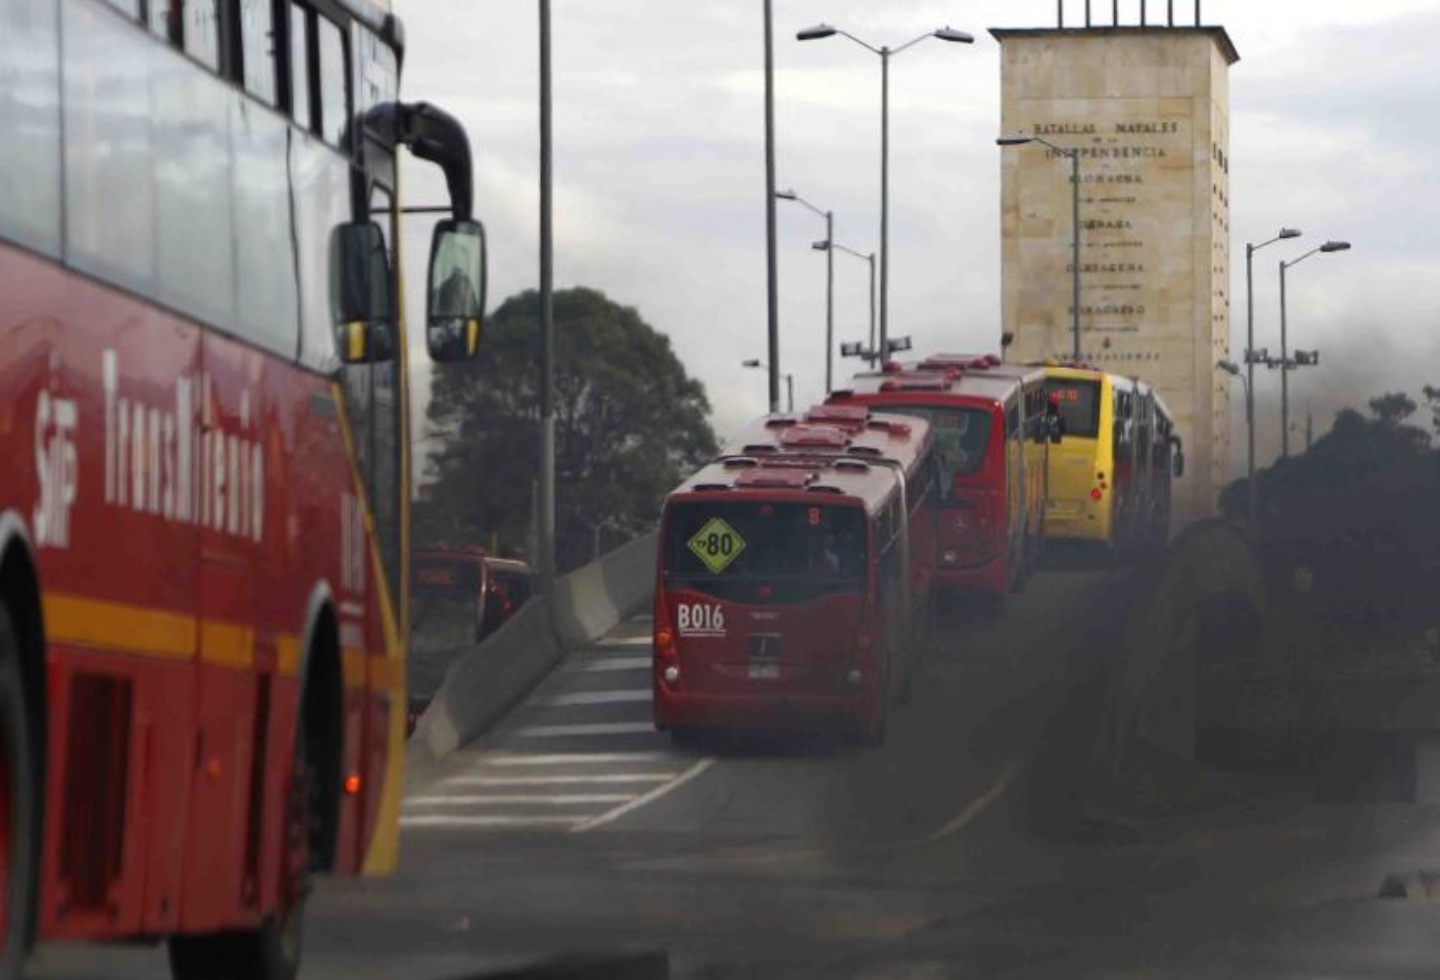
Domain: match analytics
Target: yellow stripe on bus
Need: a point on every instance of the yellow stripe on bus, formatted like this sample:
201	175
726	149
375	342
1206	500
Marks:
227	644
119	626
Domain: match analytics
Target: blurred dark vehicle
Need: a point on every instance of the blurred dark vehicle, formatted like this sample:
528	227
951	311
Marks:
459	596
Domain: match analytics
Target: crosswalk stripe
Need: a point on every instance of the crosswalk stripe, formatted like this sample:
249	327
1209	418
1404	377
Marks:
638	696
570	758
599	728
610	816
445	820
606	779
602	665
625	641
519	799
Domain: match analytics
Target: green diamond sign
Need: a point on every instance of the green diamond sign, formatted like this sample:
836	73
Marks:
717	544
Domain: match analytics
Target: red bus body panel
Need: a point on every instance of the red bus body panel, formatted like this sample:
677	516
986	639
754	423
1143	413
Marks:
182	493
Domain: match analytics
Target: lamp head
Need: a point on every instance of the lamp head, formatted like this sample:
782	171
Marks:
948	33
1289	233
820	246
1229	367
1017	140
786	195
1335	247
754	362
817	33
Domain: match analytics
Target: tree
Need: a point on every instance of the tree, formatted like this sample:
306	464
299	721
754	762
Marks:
630	424
1394	408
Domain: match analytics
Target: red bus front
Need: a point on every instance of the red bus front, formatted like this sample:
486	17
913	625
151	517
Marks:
764	614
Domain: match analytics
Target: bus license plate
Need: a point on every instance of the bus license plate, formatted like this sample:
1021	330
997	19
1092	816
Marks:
764	657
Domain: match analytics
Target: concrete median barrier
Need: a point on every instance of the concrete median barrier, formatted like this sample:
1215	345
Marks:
486	681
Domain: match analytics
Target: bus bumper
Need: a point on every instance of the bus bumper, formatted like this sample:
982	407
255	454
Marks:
990	578
763	711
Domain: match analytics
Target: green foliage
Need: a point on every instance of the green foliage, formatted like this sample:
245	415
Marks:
629	424
1358	513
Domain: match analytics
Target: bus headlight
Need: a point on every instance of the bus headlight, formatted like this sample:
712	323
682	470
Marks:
671	674
949	558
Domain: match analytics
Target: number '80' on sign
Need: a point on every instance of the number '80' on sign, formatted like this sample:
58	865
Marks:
716	544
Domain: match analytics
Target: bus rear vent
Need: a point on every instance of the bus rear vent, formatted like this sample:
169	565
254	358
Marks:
97	775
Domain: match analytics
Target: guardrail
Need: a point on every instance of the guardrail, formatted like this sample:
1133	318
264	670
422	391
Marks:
485	682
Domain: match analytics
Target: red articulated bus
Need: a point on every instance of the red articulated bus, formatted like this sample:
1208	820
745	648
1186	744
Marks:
204	521
992	427
793	576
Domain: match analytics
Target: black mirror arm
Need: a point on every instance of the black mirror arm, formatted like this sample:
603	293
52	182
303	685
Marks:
433	135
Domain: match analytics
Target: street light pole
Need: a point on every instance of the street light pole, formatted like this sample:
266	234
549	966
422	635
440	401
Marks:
822	31
546	523
755	362
884	195
1251	358
772	274
1285	364
1074	157
829	301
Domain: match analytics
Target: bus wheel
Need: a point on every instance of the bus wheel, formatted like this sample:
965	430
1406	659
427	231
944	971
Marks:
271	952
18	824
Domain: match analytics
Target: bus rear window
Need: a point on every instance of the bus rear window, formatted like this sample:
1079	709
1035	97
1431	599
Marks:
1079	406
961	437
776	552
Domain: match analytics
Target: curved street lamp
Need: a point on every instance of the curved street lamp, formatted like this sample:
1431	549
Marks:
819	33
829	216
1286	364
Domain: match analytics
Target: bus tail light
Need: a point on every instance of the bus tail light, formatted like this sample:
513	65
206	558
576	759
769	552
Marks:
1096	494
664	638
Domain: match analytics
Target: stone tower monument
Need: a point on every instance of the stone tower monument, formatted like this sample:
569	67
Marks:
1147	107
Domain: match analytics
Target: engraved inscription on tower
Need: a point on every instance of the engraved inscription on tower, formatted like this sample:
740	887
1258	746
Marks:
1148	110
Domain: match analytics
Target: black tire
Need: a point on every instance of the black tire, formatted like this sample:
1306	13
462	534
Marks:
19	806
271	952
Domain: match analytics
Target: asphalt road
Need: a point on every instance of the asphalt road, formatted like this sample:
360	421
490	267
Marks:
977	842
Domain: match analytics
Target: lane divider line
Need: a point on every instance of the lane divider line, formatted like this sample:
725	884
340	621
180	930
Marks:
599	728
521	822
607	778
976	806
636	696
570	758
516	799
603	665
611	816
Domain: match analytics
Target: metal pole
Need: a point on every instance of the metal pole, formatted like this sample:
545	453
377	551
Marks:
1060	13
1284	373
1252	491
1075	246
872	309
884	202
790	392
546	529
829	300
772	275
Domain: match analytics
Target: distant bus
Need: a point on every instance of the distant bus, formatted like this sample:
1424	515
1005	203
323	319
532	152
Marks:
1111	474
992	436
791	586
459	597
204	520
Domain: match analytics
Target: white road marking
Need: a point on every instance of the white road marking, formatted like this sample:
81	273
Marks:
602	665
606	779
571	758
610	816
600	728
442	820
639	696
512	799
625	641
977	806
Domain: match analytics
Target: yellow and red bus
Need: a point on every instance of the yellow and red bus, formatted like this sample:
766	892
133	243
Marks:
1110	475
204	524
992	439
793	576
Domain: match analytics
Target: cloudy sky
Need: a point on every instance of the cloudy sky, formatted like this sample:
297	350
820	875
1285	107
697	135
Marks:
660	171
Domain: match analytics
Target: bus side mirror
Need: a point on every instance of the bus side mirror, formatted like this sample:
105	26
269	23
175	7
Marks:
1057	429
362	302
456	306
1177	463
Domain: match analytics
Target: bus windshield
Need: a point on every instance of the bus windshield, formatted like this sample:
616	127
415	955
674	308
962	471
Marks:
961	437
795	551
1079	405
